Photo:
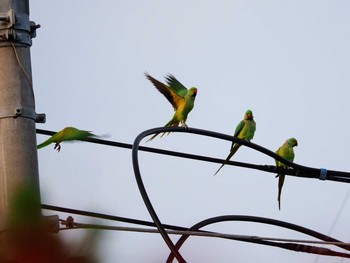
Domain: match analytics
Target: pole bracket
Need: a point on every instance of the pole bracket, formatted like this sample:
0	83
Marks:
16	28
24	112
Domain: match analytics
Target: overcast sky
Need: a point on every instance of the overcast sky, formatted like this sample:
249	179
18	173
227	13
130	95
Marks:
287	61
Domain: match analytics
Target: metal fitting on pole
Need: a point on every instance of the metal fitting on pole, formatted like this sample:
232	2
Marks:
16	27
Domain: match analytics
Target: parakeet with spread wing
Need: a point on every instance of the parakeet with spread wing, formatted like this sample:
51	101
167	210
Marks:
179	96
244	130
286	151
67	134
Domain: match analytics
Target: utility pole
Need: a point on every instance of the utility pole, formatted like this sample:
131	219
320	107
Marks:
18	154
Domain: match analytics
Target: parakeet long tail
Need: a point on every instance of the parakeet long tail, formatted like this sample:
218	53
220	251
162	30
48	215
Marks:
154	136
280	185
45	143
232	152
172	123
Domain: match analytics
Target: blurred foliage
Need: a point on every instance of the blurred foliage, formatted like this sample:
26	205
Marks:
25	235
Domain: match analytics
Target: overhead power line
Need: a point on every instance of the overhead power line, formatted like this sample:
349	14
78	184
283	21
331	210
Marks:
195	230
291	243
294	170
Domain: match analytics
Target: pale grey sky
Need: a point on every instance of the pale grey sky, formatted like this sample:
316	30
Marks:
288	61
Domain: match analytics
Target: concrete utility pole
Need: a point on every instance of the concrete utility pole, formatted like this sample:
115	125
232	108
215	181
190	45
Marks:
18	154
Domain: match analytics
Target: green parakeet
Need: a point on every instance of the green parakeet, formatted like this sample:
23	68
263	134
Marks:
179	96
67	134
244	130
287	152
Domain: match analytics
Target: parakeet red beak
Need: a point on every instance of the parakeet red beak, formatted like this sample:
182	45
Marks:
249	116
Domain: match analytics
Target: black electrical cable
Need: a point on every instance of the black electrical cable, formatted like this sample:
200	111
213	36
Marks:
299	170
253	239
243	218
147	201
108	217
255	219
142	189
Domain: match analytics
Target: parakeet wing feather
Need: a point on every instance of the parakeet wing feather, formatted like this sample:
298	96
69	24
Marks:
71	133
277	152
67	134
176	85
239	128
169	93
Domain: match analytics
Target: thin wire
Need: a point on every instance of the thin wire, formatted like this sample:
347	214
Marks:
289	246
336	218
22	68
242	218
107	217
339	212
200	234
292	244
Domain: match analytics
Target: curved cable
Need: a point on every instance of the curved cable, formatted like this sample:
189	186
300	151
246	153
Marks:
298	168
291	246
146	199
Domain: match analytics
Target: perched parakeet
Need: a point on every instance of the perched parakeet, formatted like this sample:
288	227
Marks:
244	130
67	134
179	96
287	152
